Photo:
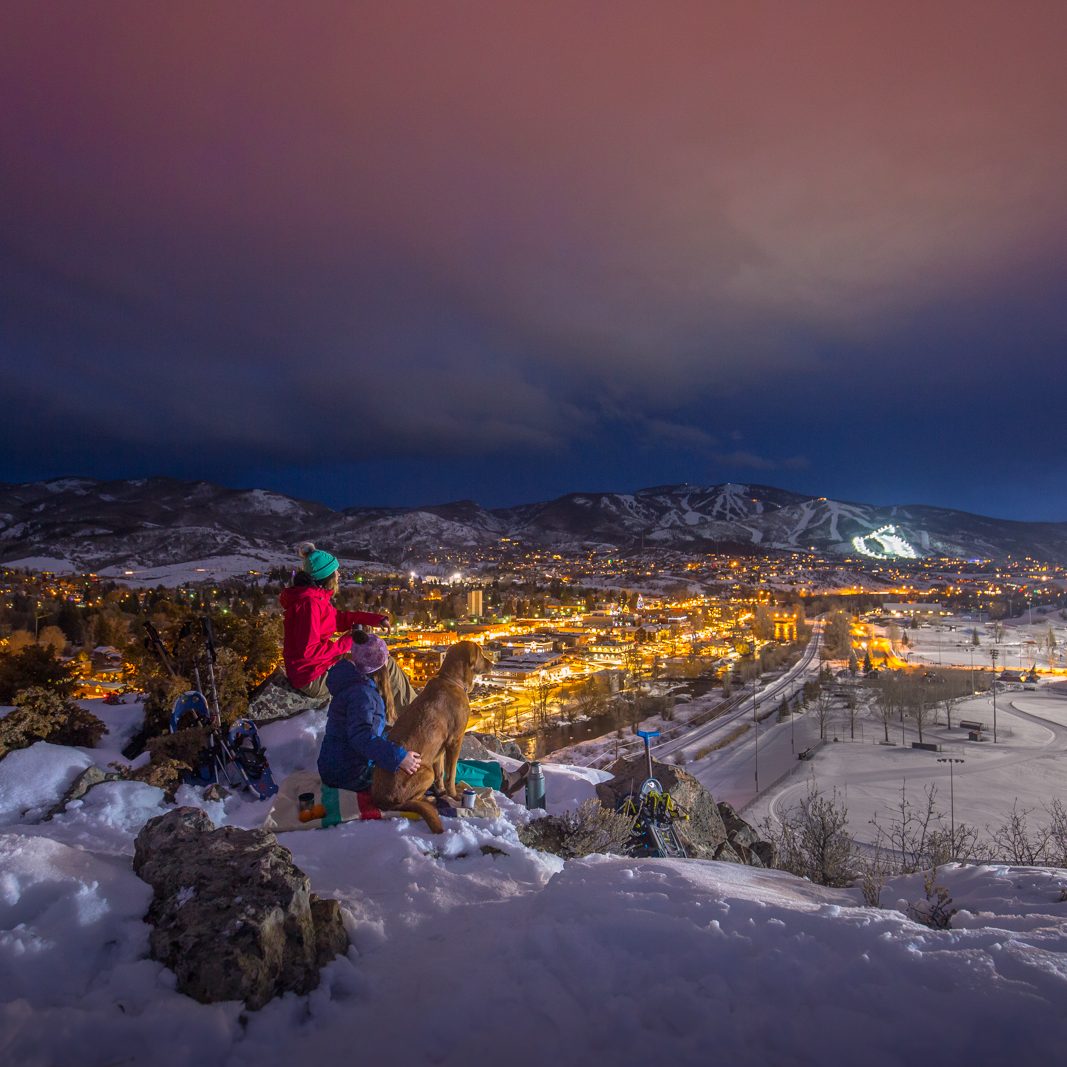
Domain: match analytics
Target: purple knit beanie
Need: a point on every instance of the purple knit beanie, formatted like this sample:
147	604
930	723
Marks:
370	653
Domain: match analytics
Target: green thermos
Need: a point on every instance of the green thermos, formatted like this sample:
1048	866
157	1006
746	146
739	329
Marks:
535	786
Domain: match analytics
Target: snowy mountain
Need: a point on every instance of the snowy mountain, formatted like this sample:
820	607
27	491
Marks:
113	526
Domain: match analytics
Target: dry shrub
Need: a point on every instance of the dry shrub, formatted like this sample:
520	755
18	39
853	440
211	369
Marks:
591	829
182	747
937	909
164	773
46	715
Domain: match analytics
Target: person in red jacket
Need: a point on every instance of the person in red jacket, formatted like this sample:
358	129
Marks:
316	636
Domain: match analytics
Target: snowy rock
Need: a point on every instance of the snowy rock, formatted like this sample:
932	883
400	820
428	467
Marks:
233	917
725	854
474	747
33	779
495	746
702	833
81	785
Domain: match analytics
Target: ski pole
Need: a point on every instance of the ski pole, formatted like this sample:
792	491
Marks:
209	645
154	644
646	736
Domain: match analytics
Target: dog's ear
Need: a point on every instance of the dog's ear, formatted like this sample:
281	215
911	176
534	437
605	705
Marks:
468	656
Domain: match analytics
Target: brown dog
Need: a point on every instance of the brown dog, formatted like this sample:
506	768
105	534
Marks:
433	725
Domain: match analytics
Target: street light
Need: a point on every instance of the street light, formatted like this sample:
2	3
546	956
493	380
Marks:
951	761
993	656
755	723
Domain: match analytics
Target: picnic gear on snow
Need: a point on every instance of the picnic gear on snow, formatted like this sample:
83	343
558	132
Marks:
303	802
535	786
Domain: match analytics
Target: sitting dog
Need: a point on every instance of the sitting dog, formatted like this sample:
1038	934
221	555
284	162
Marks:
433	725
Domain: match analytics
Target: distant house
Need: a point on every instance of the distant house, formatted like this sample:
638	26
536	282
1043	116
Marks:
921	611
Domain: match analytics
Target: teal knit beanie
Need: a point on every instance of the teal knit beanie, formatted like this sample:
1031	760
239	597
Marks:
317	563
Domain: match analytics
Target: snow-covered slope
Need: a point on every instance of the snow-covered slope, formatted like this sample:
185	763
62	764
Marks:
461	957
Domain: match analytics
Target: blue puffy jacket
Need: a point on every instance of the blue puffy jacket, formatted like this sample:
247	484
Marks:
355	731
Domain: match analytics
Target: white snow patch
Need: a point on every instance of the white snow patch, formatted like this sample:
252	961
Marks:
33	779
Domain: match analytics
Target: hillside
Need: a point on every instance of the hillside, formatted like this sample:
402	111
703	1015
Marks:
460	956
113	526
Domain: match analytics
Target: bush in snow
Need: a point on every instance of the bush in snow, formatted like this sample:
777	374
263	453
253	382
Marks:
937	909
812	840
46	715
592	828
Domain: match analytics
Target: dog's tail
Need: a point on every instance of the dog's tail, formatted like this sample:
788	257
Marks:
427	811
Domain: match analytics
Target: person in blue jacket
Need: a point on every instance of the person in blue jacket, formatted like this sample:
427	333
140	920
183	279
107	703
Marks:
355	741
361	709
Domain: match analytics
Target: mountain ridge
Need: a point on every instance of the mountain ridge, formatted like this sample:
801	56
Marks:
150	521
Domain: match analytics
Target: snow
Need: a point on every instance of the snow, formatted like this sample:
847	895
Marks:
459	956
52	564
266	502
33	779
209	569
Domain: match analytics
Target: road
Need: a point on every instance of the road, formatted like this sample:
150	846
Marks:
706	728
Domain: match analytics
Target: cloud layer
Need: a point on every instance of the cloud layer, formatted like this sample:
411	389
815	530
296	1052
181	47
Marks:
575	234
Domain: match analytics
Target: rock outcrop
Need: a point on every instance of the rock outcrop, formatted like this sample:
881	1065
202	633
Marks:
746	844
487	747
81	785
702	833
233	917
712	831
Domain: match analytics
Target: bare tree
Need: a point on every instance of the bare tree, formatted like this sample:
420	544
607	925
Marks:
887	702
823	705
54	638
812	839
919	707
837	636
543	690
852	709
915	836
17	640
1016	841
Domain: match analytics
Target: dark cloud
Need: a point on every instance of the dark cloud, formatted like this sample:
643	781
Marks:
341	247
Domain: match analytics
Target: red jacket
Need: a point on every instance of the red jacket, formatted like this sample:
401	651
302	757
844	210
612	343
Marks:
311	646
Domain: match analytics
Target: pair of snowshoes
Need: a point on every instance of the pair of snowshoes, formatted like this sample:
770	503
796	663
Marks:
235	757
653	812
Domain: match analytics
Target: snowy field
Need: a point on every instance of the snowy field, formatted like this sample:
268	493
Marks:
1022	642
458	957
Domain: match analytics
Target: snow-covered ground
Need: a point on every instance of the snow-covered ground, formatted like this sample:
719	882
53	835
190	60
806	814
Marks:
1026	766
460	958
1022	642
